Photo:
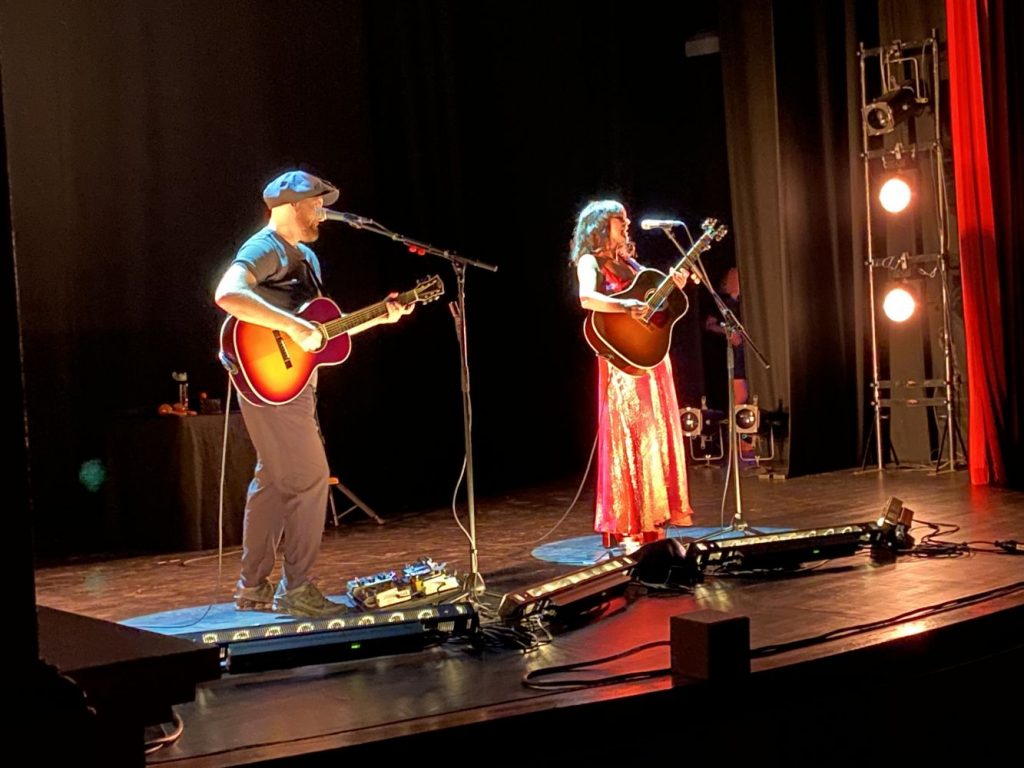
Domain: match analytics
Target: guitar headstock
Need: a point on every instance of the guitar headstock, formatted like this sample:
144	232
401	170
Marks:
712	230
428	289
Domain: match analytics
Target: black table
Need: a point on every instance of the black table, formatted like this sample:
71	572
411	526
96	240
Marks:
164	482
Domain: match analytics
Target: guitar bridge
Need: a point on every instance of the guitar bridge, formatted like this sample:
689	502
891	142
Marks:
283	349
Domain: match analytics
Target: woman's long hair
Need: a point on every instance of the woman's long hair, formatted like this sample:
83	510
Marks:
592	228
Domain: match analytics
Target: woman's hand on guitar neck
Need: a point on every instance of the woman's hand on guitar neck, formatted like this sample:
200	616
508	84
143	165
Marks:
680	276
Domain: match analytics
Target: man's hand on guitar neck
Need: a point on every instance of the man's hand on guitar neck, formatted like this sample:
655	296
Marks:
397	311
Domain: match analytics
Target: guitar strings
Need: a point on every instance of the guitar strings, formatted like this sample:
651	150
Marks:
342	324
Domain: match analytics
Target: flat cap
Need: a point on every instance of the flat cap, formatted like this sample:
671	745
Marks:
293	186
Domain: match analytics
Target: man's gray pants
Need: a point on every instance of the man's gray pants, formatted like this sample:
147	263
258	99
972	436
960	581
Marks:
287	498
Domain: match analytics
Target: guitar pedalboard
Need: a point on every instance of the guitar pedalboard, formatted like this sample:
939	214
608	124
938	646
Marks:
423	581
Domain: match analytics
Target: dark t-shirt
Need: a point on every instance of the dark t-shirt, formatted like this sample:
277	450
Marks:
287	276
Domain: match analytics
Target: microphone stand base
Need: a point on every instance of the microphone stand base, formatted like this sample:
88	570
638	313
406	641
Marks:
741	525
475	584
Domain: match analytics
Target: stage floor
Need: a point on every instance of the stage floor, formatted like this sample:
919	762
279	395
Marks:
357	705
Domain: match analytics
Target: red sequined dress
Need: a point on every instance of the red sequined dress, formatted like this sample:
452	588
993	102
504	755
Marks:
641	458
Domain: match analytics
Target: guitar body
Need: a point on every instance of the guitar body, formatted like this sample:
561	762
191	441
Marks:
268	367
632	346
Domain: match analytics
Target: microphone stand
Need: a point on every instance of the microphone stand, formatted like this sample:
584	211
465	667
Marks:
475	583
731	325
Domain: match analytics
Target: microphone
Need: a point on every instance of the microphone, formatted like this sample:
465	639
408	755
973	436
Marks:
661	223
326	214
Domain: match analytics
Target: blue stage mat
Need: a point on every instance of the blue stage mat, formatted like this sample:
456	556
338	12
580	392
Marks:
581	551
213	616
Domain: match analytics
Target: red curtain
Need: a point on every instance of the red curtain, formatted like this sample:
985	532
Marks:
979	255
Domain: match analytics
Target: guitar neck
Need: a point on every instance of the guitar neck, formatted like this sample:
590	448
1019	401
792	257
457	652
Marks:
361	317
667	286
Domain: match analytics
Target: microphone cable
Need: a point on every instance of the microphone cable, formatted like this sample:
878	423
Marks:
220	527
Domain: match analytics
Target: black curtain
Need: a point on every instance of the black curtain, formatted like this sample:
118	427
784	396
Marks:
788	74
140	136
22	593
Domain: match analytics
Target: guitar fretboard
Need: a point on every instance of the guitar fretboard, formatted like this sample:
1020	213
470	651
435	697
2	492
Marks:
345	324
662	292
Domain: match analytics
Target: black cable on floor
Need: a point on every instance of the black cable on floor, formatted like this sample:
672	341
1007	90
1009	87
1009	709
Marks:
530	678
914	615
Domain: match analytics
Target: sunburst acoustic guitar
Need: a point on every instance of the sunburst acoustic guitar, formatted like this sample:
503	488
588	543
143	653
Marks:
268	368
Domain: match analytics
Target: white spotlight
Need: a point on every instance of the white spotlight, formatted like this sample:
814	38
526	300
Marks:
894	194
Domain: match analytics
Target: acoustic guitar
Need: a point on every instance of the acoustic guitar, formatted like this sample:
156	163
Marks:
633	345
268	367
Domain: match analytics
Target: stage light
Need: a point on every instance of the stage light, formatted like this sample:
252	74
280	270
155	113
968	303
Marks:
893	528
747	418
286	643
894	194
569	594
892	108
710	430
692	421
684	560
899	303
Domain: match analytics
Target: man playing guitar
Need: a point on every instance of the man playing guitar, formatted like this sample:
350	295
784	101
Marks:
272	276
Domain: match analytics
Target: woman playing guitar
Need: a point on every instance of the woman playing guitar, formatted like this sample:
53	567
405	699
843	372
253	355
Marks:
641	472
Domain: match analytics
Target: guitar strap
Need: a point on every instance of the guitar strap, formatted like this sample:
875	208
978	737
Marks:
315	378
316	280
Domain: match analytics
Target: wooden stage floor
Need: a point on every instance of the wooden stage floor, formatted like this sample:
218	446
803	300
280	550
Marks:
432	699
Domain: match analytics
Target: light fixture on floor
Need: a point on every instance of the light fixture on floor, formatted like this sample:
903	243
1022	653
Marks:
684	560
894	527
704	425
569	594
747	418
292	643
692	421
